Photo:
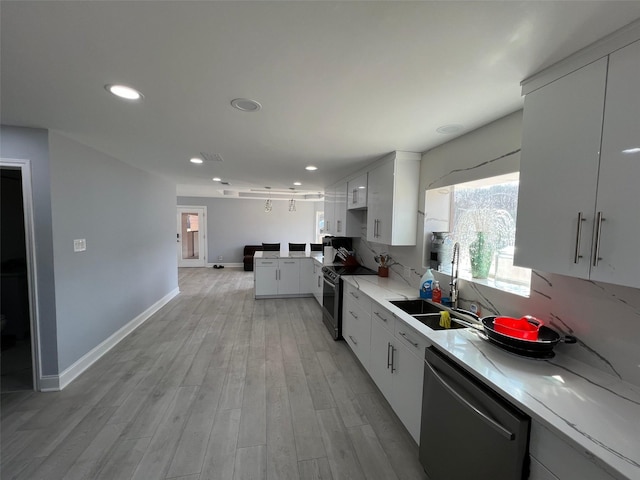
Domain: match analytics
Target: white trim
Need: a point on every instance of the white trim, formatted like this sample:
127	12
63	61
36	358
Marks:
203	231
598	49
227	265
32	283
66	377
49	383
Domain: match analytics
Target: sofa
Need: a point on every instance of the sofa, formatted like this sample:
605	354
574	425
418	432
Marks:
249	251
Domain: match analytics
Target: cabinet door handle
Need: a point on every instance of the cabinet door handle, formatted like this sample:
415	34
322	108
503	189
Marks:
353	315
354	198
353	340
406	337
577	255
339	226
318	281
596	254
380	316
393	352
388	355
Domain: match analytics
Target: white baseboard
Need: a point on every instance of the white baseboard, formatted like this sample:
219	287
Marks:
227	265
49	383
58	382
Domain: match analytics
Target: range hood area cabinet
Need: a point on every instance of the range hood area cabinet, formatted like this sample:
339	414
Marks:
357	193
338	220
579	169
392	203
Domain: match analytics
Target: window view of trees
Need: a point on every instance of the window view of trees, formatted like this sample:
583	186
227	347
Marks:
484	223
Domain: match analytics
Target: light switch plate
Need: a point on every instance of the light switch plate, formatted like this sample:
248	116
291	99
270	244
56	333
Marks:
79	244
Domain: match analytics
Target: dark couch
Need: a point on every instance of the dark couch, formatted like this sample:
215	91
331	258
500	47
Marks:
249	251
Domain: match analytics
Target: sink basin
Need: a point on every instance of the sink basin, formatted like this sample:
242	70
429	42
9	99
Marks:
425	312
414	307
432	320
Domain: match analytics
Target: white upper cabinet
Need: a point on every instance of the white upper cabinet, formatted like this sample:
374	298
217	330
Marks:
576	212
329	210
392	203
559	172
357	193
340	210
617	201
338	220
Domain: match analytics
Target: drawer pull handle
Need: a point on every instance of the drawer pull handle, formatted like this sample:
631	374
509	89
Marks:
353	315
354	295
408	339
353	340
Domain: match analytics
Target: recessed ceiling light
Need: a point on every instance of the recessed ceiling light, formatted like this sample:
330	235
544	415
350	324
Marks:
311	168
123	91
216	179
245	104
449	129
196	160
297	184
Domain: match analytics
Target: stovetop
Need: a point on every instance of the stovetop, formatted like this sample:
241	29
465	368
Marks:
335	271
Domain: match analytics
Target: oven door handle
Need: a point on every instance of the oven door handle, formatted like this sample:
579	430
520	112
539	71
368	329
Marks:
489	421
329	282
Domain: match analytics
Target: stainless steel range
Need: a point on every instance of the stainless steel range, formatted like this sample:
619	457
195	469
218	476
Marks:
332	295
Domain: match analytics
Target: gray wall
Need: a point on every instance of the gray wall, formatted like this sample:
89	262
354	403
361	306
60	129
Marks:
234	223
33	144
127	217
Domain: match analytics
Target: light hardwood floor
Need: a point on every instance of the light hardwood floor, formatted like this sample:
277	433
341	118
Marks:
216	385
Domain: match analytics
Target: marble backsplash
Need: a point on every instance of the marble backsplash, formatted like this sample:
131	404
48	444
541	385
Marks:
605	318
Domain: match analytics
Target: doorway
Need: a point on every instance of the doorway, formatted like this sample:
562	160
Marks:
18	356
192	238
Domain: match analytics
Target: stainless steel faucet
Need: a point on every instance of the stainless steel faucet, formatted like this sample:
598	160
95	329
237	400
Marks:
453	284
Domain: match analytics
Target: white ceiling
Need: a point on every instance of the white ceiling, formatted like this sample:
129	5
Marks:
341	83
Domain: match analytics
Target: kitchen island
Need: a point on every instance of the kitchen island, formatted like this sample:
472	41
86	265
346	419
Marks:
585	423
284	274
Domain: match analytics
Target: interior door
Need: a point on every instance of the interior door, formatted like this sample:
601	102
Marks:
192	247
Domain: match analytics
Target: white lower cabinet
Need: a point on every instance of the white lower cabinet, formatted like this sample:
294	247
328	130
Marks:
397	372
406	397
277	276
307	269
537	471
558	460
356	324
316	282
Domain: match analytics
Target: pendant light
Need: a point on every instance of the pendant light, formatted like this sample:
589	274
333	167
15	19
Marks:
268	206
292	202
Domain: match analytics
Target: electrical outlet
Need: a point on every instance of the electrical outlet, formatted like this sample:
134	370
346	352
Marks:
79	244
408	271
219	258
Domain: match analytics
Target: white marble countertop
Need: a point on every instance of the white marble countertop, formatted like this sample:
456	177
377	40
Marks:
284	254
598	413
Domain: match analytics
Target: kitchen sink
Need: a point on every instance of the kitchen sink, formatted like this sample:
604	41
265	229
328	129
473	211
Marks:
415	307
425	312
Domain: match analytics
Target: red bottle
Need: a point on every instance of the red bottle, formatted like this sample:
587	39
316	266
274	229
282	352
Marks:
437	293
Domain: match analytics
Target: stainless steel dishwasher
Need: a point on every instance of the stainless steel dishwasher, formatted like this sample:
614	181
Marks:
468	430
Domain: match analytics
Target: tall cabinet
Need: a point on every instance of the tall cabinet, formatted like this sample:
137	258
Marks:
392	203
580	161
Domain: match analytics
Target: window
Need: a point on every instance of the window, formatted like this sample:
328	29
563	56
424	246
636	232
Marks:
481	217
